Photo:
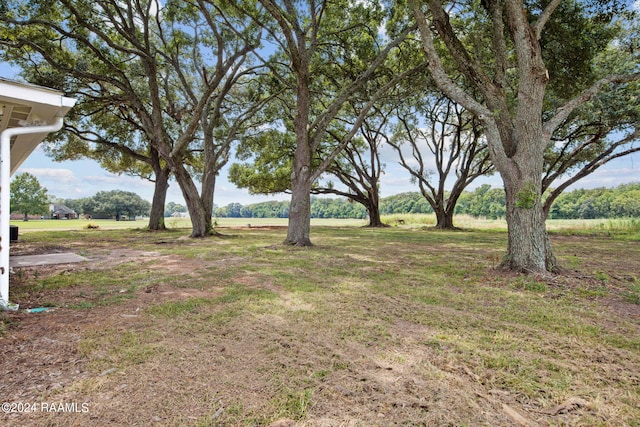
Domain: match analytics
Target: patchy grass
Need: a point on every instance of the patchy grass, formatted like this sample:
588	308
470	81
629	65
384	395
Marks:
632	293
396	326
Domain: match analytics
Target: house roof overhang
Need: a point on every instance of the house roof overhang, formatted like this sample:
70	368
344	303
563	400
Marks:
27	114
23	104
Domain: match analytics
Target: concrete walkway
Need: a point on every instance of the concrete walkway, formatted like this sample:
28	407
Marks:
44	259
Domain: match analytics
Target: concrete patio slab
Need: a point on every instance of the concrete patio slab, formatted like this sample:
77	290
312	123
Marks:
45	259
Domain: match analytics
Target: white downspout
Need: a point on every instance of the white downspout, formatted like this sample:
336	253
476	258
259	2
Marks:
5	202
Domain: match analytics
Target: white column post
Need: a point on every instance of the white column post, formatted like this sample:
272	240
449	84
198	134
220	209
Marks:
5	202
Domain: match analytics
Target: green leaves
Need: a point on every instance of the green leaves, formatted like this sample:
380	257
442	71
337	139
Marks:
527	196
269	167
117	203
27	196
570	43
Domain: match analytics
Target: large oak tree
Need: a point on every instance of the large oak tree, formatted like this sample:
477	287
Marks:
503	61
164	69
326	51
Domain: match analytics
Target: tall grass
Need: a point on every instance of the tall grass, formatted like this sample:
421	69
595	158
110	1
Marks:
619	228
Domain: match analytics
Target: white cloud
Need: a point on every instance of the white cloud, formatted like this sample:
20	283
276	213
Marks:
109	179
608	177
65	176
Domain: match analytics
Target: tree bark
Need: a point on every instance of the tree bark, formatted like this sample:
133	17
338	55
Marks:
373	209
526	240
528	245
156	217
374	217
299	227
200	222
444	219
208	189
373	200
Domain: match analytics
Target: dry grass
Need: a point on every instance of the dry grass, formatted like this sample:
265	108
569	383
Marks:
398	326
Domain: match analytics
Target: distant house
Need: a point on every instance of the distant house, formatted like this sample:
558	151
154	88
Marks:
62	212
17	216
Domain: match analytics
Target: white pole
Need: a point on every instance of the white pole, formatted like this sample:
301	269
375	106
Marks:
5	202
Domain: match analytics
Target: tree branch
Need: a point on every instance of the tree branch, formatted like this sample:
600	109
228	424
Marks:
544	17
563	112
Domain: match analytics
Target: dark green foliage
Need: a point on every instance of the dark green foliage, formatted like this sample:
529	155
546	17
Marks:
108	204
572	40
27	196
174	208
620	202
336	208
405	203
484	201
320	208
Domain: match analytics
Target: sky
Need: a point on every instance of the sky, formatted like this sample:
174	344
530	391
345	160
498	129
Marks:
84	178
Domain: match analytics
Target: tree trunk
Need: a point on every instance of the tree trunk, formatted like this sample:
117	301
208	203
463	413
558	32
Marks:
444	219
521	164
374	216
528	246
211	170
208	188
156	218
373	203
299	228
201	223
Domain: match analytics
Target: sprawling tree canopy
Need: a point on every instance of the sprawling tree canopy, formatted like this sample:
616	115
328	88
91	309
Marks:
166	88
154	80
326	51
437	131
520	90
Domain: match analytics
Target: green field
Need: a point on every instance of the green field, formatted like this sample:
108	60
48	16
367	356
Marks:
628	228
172	223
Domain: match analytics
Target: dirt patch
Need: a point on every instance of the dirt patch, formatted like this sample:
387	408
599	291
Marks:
40	352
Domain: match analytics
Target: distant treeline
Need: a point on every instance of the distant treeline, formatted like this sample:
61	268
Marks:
484	201
620	202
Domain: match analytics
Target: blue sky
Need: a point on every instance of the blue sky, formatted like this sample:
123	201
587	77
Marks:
84	178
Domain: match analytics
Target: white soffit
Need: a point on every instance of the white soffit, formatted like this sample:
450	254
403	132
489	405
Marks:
23	104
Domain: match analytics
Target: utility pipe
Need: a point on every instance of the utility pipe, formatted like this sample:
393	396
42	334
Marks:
5	202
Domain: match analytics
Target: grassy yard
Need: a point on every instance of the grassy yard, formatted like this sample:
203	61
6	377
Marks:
370	327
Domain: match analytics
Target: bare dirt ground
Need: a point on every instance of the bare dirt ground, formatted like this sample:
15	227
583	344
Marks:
167	372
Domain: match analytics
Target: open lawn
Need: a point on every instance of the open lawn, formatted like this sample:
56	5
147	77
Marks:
370	327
